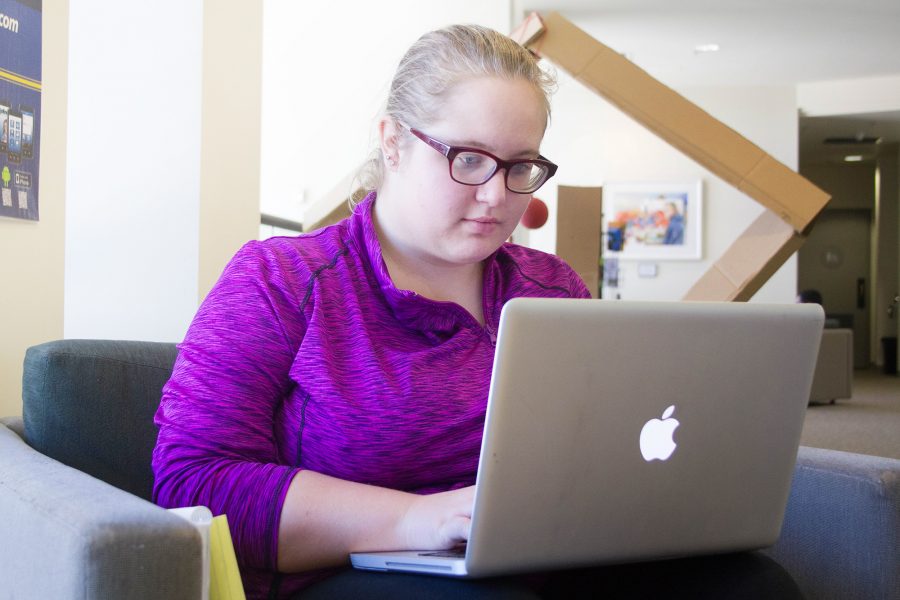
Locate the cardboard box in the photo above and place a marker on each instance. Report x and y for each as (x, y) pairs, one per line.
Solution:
(578, 223)
(748, 263)
(788, 196)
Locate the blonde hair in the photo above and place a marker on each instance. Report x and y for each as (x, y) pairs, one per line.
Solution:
(434, 64)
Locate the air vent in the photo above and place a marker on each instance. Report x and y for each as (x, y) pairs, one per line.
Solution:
(855, 141)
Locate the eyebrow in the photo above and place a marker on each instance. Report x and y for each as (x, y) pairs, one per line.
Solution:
(524, 154)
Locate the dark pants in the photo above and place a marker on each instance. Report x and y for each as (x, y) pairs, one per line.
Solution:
(749, 575)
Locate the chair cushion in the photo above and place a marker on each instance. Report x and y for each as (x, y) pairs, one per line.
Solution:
(90, 404)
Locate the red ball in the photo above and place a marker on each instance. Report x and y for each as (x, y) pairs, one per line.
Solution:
(535, 215)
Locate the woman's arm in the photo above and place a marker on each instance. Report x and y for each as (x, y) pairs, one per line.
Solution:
(215, 445)
(323, 519)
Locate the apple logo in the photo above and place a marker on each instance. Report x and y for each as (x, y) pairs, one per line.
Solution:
(656, 436)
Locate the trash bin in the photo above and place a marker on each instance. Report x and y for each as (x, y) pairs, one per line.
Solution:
(889, 349)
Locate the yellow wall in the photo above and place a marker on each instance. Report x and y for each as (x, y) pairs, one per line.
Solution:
(229, 172)
(32, 255)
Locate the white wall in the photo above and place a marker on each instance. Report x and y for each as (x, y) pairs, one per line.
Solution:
(850, 96)
(133, 172)
(326, 72)
(596, 143)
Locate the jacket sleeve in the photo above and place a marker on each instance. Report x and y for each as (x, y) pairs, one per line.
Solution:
(216, 445)
(578, 287)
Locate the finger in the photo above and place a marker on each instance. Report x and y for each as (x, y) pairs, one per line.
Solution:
(458, 528)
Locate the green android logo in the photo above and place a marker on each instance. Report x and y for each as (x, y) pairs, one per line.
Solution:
(6, 176)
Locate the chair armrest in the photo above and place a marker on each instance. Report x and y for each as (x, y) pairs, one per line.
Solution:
(14, 423)
(68, 535)
(841, 531)
(90, 404)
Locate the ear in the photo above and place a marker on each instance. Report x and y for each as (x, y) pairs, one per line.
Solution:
(389, 137)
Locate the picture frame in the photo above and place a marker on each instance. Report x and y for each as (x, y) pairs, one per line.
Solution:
(653, 221)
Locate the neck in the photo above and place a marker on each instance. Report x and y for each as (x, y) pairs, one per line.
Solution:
(427, 276)
(453, 283)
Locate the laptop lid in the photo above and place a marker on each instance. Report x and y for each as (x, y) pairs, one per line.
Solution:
(624, 431)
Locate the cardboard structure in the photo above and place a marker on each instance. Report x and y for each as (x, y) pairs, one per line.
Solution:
(792, 201)
(578, 223)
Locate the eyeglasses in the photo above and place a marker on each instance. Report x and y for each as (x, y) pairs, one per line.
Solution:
(472, 166)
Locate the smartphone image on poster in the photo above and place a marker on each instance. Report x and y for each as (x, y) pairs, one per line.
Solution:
(14, 145)
(27, 130)
(4, 123)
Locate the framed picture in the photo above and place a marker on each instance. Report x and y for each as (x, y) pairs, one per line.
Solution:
(656, 221)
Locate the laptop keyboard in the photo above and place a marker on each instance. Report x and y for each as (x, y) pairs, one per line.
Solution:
(454, 553)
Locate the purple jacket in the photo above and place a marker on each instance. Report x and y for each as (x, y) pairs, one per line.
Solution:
(305, 356)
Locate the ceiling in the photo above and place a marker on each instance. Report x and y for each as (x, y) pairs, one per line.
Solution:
(761, 42)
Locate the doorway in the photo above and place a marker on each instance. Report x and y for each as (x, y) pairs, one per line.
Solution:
(836, 261)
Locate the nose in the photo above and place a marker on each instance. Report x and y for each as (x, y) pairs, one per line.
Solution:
(493, 191)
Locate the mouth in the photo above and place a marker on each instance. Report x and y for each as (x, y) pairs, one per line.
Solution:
(485, 220)
(483, 225)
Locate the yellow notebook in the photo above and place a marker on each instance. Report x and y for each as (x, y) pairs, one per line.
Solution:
(224, 577)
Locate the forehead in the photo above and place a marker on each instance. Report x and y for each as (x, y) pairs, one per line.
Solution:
(502, 115)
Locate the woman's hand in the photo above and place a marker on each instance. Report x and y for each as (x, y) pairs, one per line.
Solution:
(437, 521)
(324, 519)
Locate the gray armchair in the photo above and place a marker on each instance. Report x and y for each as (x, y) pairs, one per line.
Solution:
(75, 484)
(75, 480)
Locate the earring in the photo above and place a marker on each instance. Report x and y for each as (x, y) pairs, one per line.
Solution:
(392, 161)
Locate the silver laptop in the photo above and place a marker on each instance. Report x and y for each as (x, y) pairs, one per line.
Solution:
(627, 431)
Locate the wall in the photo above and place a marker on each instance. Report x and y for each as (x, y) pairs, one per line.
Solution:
(596, 143)
(230, 137)
(851, 185)
(163, 174)
(31, 302)
(323, 90)
(855, 97)
(133, 171)
(125, 248)
(888, 248)
(844, 231)
(850, 96)
(857, 188)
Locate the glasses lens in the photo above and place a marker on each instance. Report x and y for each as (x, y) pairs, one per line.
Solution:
(526, 177)
(472, 168)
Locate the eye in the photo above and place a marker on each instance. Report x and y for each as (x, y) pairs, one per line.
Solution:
(470, 160)
(522, 169)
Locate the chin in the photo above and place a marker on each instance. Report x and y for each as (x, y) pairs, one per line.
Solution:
(475, 253)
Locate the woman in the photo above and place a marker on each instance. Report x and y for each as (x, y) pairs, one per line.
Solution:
(330, 394)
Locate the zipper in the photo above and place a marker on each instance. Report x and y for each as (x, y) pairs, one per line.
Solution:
(492, 335)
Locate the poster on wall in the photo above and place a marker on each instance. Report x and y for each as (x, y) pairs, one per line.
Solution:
(20, 107)
(653, 221)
